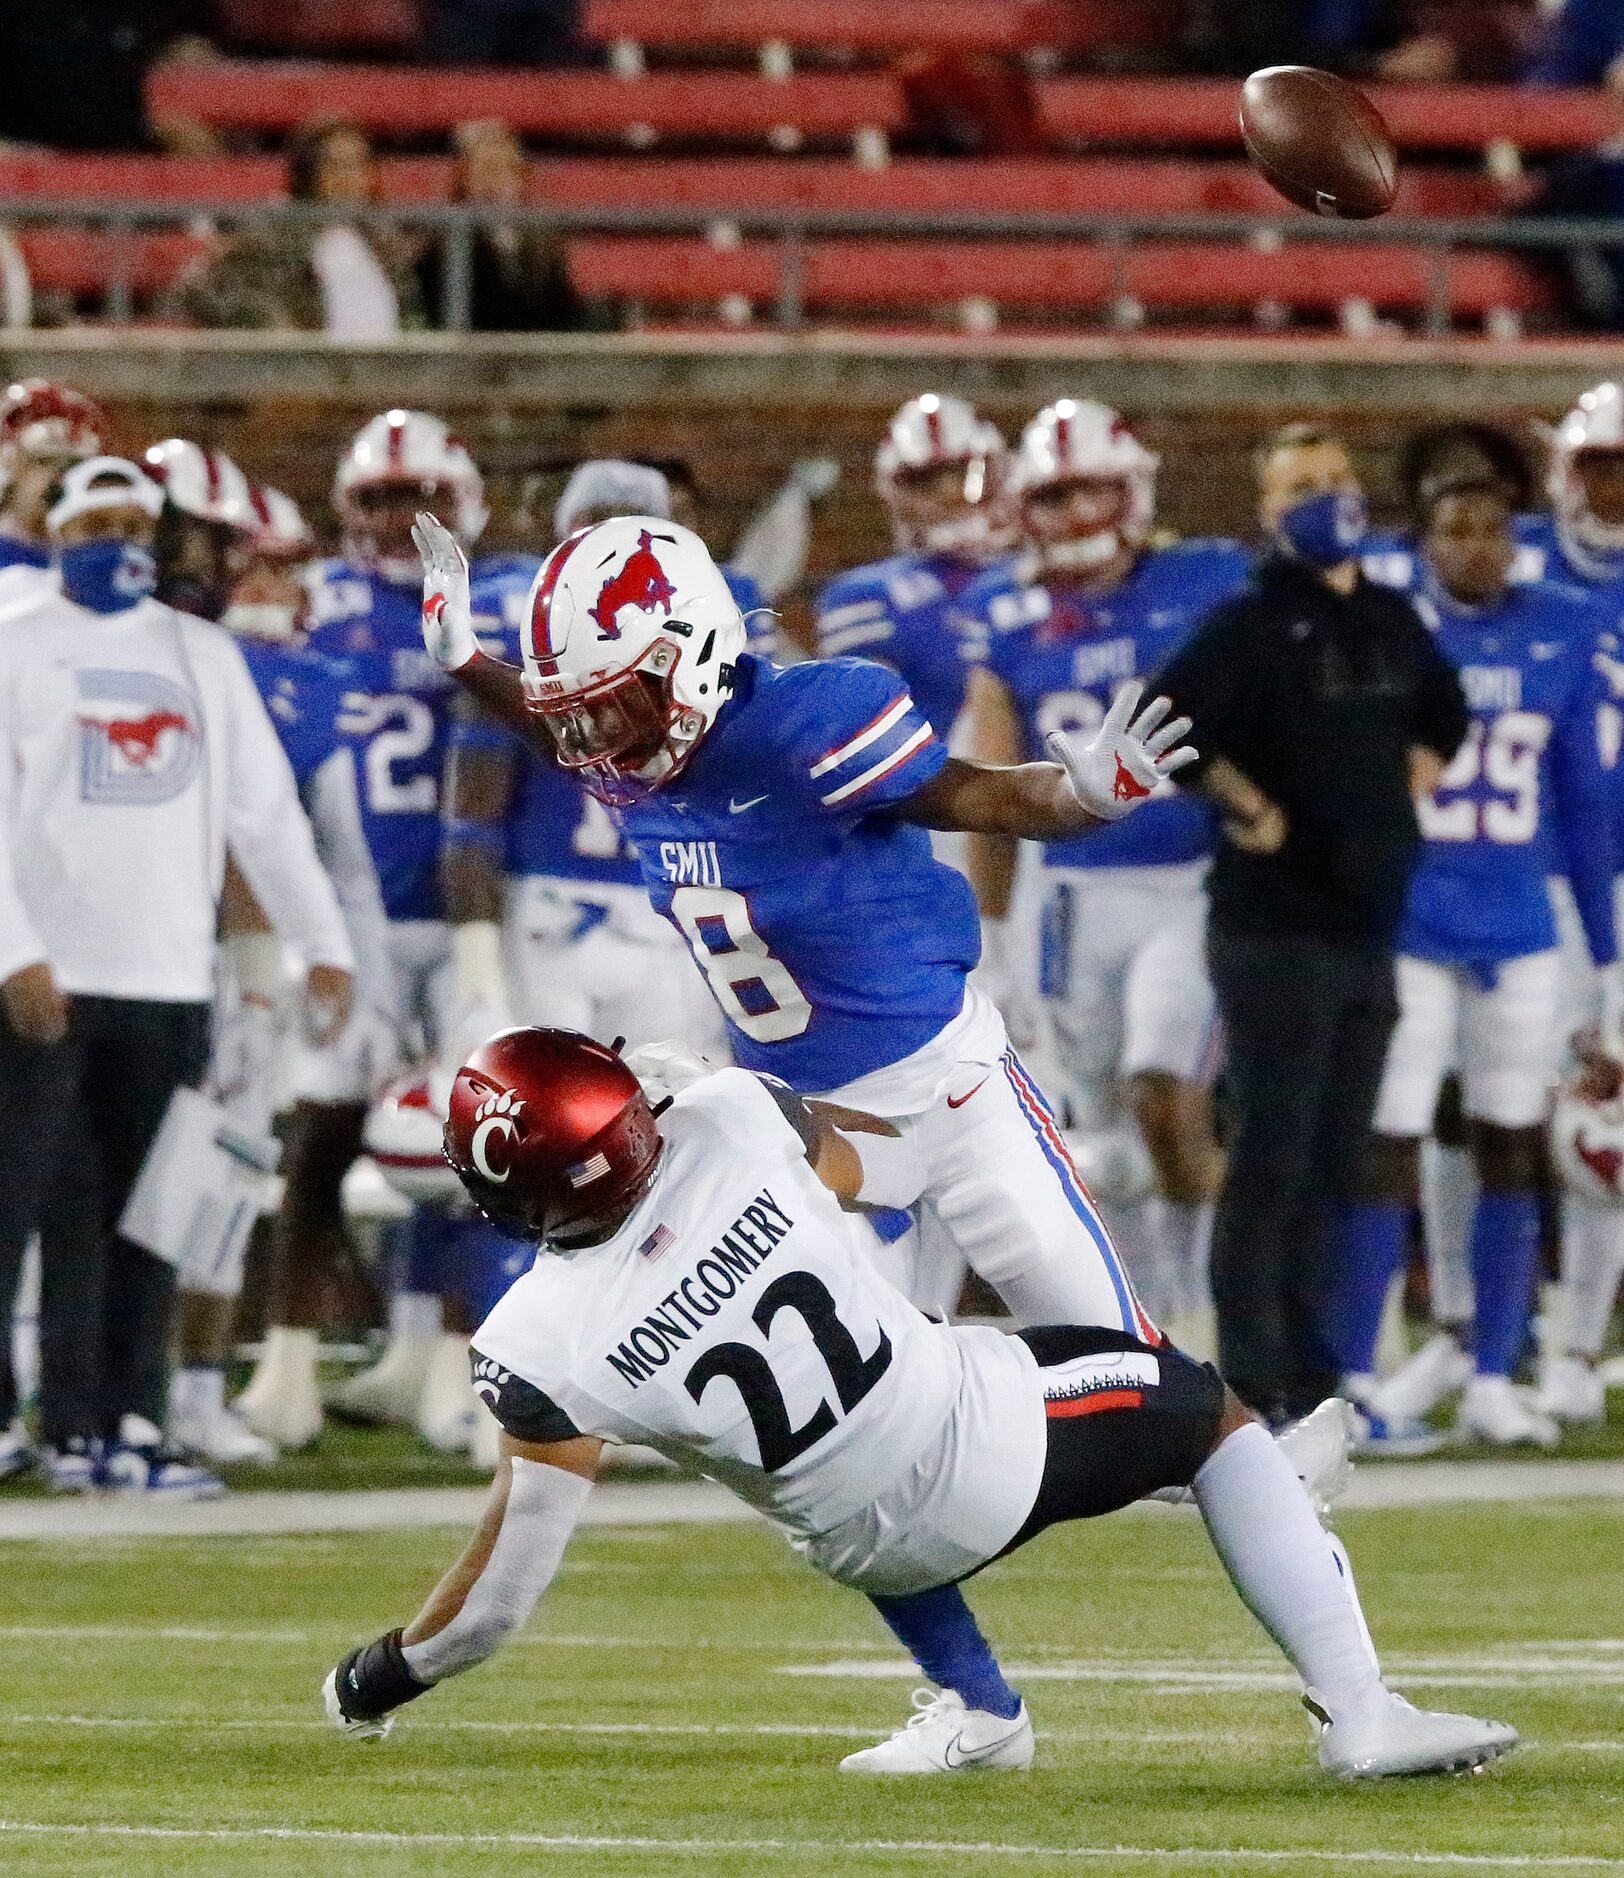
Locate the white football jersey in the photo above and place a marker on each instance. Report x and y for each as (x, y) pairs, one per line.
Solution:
(733, 1324)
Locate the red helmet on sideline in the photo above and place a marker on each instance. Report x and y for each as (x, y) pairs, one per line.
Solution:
(551, 1135)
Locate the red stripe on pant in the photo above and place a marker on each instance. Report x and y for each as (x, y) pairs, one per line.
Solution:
(1093, 1404)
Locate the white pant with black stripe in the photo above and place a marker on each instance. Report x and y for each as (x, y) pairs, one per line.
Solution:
(1003, 1196)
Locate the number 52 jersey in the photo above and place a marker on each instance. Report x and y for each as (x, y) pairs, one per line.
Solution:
(733, 1324)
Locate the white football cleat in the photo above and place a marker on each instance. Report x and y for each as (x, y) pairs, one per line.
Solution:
(283, 1401)
(1571, 1390)
(1318, 1448)
(942, 1736)
(1439, 1369)
(392, 1390)
(223, 1438)
(1492, 1409)
(1390, 1737)
(17, 1454)
(448, 1411)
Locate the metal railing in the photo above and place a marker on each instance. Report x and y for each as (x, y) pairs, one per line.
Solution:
(456, 225)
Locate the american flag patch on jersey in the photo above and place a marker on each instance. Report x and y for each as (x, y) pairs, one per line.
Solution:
(658, 1243)
(592, 1169)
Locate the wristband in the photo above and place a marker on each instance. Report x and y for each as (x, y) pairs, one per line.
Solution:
(466, 831)
(374, 1680)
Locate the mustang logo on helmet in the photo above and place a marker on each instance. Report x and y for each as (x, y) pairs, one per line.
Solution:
(642, 583)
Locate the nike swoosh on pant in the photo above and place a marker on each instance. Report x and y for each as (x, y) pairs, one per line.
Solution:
(958, 1102)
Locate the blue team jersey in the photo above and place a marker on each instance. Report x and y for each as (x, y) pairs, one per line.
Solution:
(18, 553)
(1062, 653)
(1526, 795)
(901, 612)
(395, 716)
(834, 941)
(553, 826)
(304, 698)
(1391, 558)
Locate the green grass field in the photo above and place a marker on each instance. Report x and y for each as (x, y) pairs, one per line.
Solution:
(646, 1724)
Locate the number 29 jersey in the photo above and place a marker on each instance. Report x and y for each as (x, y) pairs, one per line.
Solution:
(733, 1325)
(833, 940)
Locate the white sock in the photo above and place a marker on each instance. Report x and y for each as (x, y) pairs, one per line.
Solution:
(1184, 1235)
(1592, 1264)
(1448, 1201)
(414, 1316)
(1286, 1569)
(197, 1394)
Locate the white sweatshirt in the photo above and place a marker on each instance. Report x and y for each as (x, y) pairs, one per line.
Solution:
(133, 749)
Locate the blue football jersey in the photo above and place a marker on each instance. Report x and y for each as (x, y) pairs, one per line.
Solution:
(553, 826)
(304, 698)
(901, 611)
(834, 941)
(1391, 558)
(1526, 795)
(1063, 652)
(395, 716)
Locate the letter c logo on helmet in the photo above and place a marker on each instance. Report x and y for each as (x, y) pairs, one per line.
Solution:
(496, 1120)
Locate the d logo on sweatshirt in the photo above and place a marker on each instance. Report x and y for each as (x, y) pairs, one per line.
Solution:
(140, 738)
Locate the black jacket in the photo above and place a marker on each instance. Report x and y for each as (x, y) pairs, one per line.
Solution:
(1318, 697)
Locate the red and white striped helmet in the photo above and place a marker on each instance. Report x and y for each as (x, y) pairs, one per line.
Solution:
(1594, 427)
(405, 1135)
(280, 531)
(201, 482)
(932, 433)
(629, 645)
(39, 418)
(415, 448)
(1080, 441)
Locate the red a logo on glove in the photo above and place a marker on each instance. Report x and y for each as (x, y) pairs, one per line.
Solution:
(1128, 787)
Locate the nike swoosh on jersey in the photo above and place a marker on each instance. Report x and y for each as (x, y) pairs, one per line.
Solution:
(738, 808)
(958, 1102)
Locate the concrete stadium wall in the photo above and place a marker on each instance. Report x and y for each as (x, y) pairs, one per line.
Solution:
(742, 408)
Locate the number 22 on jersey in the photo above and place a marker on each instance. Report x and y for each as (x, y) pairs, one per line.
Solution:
(394, 731)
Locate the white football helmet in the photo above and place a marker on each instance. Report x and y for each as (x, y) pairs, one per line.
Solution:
(405, 1135)
(417, 451)
(280, 531)
(1594, 425)
(49, 422)
(929, 434)
(1587, 1144)
(629, 647)
(201, 482)
(1079, 441)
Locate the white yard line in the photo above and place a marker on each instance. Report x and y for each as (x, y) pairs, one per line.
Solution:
(802, 1848)
(1170, 1678)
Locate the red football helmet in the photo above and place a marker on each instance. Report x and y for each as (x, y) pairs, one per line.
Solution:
(551, 1135)
(39, 418)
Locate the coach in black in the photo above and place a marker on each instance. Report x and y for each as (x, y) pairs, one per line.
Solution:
(1321, 707)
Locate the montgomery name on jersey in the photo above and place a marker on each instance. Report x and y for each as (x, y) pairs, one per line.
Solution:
(729, 1322)
(1063, 653)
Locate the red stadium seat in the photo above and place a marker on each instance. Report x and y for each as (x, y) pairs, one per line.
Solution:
(135, 179)
(84, 262)
(1010, 186)
(901, 26)
(417, 101)
(1184, 277)
(1120, 112)
(319, 25)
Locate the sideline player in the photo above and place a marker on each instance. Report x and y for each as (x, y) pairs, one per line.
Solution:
(43, 428)
(365, 608)
(1089, 606)
(708, 1302)
(1524, 799)
(939, 474)
(779, 817)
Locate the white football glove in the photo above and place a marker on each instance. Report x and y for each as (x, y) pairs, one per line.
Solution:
(1129, 759)
(665, 1069)
(355, 1730)
(448, 617)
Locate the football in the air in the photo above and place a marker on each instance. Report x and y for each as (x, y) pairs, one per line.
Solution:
(1319, 141)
